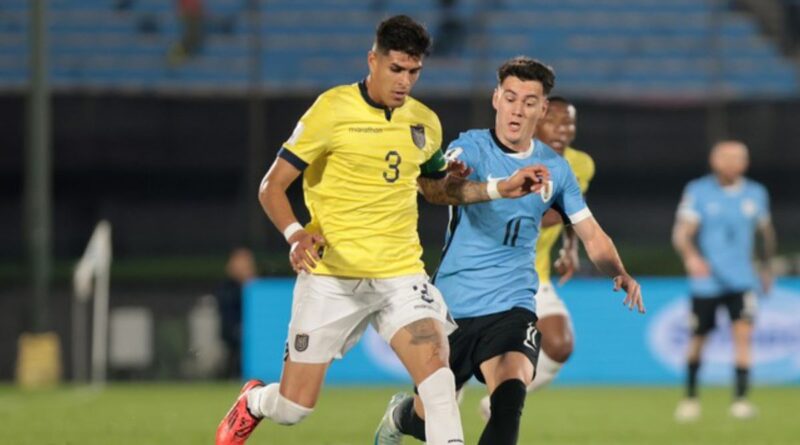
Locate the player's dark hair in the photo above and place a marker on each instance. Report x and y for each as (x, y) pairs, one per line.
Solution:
(526, 68)
(402, 33)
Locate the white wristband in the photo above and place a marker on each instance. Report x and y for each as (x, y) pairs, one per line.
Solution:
(291, 229)
(491, 189)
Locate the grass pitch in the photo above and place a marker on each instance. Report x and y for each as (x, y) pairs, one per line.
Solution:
(182, 413)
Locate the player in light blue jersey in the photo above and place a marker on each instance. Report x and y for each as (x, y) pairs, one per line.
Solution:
(723, 211)
(487, 273)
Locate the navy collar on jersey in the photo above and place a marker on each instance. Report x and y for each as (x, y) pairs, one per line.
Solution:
(506, 149)
(362, 87)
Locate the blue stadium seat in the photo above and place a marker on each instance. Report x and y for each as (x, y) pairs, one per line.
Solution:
(599, 47)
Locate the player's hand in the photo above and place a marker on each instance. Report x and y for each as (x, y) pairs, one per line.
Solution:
(458, 168)
(634, 292)
(567, 264)
(696, 266)
(524, 181)
(305, 251)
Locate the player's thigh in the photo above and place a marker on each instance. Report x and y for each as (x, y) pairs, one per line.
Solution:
(463, 342)
(507, 366)
(703, 315)
(415, 322)
(302, 382)
(508, 348)
(328, 318)
(422, 347)
(554, 322)
(557, 339)
(741, 306)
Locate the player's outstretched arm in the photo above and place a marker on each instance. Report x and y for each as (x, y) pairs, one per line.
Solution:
(683, 234)
(604, 255)
(272, 196)
(767, 250)
(455, 189)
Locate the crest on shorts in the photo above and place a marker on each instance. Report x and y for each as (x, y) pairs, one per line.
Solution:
(532, 337)
(418, 135)
(301, 342)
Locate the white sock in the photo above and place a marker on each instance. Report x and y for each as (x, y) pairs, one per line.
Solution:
(546, 371)
(442, 419)
(267, 402)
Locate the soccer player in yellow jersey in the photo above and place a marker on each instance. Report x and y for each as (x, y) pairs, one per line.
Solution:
(364, 150)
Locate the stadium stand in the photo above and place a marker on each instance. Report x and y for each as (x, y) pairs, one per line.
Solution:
(684, 49)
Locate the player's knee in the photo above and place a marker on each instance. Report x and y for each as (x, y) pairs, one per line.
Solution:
(438, 389)
(559, 349)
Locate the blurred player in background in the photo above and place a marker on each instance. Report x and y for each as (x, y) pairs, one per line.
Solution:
(557, 130)
(364, 150)
(487, 271)
(240, 269)
(723, 210)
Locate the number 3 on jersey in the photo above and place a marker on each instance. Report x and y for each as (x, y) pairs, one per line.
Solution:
(394, 160)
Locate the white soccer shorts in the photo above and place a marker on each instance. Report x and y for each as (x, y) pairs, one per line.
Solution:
(548, 302)
(330, 314)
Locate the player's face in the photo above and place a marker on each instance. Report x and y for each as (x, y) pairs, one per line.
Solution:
(557, 128)
(729, 160)
(392, 76)
(519, 105)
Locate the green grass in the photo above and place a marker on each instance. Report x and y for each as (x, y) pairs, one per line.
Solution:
(184, 413)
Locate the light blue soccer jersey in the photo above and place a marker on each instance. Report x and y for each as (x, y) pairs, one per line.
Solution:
(487, 264)
(728, 218)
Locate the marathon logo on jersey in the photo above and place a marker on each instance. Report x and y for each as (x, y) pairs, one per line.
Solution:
(301, 342)
(418, 135)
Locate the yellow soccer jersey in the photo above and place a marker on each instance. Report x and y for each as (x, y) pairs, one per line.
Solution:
(360, 166)
(583, 167)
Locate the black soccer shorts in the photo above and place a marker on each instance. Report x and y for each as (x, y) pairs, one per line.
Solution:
(478, 339)
(740, 306)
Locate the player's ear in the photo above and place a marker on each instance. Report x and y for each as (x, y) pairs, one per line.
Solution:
(496, 97)
(545, 106)
(372, 60)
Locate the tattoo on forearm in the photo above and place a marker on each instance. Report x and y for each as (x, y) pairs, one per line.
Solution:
(466, 192)
(435, 192)
(453, 190)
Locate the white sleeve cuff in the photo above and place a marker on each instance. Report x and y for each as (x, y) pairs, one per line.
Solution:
(580, 215)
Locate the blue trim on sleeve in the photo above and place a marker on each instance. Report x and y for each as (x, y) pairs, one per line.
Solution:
(292, 158)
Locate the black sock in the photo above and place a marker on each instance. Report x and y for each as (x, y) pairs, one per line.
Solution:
(742, 382)
(407, 420)
(508, 399)
(691, 379)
